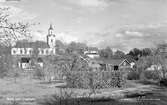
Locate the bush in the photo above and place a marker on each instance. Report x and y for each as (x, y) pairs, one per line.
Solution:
(153, 75)
(133, 75)
(39, 74)
(76, 80)
(163, 82)
(94, 80)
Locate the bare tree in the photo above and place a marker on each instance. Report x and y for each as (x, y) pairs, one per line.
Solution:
(10, 32)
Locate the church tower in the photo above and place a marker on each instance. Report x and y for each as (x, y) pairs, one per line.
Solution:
(51, 38)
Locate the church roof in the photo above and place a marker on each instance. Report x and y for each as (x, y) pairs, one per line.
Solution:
(27, 44)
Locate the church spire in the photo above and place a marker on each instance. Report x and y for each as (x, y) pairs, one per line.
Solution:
(51, 27)
(51, 38)
(50, 30)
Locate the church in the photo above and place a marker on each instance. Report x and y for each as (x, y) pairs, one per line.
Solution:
(23, 54)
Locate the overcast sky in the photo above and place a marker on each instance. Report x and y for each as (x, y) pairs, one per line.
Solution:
(120, 24)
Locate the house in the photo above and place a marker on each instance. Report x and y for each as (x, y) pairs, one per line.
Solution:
(92, 53)
(113, 64)
(108, 64)
(162, 48)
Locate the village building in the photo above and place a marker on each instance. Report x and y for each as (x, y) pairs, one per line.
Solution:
(162, 48)
(92, 53)
(114, 64)
(24, 52)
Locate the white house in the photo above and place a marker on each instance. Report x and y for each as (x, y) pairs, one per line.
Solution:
(92, 54)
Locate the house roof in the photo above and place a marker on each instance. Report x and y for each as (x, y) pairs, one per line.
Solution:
(110, 61)
(129, 58)
(113, 61)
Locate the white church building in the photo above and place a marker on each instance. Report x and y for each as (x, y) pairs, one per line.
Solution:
(23, 55)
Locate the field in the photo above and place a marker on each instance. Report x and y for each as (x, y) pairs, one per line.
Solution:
(24, 89)
(29, 91)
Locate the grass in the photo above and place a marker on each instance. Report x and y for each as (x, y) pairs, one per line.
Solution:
(39, 90)
(158, 97)
(23, 88)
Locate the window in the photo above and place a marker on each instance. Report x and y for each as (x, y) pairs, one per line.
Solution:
(47, 51)
(30, 51)
(25, 60)
(42, 52)
(21, 52)
(51, 40)
(25, 51)
(14, 51)
(116, 67)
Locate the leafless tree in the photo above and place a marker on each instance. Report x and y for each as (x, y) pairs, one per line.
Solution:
(10, 31)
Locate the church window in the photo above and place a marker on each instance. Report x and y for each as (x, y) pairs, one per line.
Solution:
(42, 52)
(51, 40)
(47, 51)
(21, 52)
(14, 52)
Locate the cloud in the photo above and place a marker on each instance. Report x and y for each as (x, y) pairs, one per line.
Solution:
(126, 38)
(92, 3)
(133, 33)
(38, 35)
(66, 37)
(18, 14)
(2, 1)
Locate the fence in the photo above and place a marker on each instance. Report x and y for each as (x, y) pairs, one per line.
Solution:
(95, 80)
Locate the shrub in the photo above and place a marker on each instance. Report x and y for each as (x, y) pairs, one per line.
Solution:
(39, 74)
(65, 98)
(94, 80)
(163, 82)
(154, 75)
(76, 80)
(133, 75)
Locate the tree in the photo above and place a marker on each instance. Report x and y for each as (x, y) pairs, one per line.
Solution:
(11, 31)
(159, 60)
(135, 53)
(60, 44)
(74, 47)
(146, 52)
(106, 53)
(119, 53)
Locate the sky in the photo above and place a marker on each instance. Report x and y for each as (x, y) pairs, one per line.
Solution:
(119, 24)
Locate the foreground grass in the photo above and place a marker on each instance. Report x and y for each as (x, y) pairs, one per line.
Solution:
(39, 90)
(24, 88)
(133, 95)
(157, 97)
